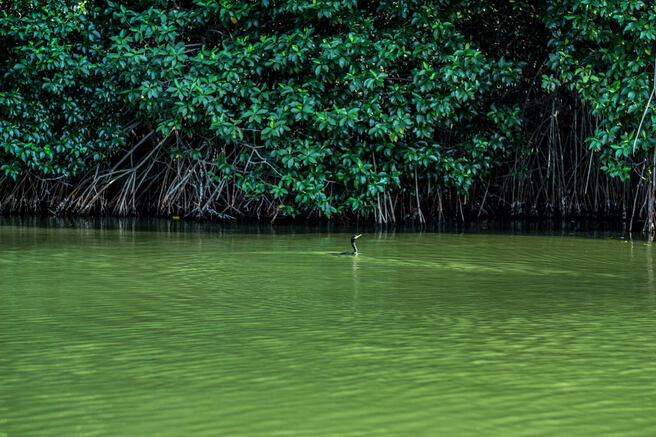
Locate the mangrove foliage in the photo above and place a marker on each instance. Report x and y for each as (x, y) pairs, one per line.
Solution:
(386, 110)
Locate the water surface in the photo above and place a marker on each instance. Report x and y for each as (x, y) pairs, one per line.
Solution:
(134, 332)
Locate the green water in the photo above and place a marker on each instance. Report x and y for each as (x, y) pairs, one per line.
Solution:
(138, 333)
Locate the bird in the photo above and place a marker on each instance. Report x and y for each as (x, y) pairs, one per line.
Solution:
(355, 248)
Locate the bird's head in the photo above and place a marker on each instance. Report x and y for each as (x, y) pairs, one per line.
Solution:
(355, 237)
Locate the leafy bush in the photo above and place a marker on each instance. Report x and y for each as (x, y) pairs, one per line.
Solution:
(323, 105)
(604, 50)
(320, 107)
(58, 106)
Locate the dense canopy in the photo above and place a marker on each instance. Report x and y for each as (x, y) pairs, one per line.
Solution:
(344, 107)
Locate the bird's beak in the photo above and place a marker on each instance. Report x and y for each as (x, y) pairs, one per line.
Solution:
(357, 236)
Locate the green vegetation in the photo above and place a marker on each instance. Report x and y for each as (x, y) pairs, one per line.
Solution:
(58, 106)
(603, 51)
(374, 108)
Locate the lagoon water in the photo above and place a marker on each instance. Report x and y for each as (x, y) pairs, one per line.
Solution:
(124, 332)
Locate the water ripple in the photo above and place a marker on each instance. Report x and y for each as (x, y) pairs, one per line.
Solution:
(139, 334)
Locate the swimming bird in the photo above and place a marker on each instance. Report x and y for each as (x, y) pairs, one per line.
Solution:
(355, 248)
